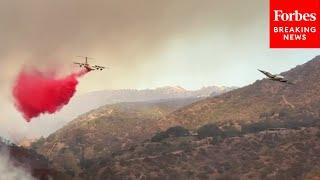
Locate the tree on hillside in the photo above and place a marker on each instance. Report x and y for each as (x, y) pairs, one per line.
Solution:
(209, 130)
(176, 131)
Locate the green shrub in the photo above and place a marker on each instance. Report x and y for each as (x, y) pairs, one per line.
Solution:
(231, 132)
(159, 137)
(209, 130)
(177, 131)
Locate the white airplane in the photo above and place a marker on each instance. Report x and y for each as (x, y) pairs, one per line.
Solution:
(275, 77)
(88, 66)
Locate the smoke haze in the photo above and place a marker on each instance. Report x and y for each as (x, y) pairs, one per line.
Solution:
(9, 171)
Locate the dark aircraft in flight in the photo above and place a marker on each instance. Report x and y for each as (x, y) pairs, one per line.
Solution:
(275, 77)
(88, 66)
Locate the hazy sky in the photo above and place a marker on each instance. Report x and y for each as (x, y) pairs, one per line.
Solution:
(147, 43)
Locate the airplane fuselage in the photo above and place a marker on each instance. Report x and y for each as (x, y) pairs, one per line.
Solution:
(278, 77)
(275, 77)
(88, 66)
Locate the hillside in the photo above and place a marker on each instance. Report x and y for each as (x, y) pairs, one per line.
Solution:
(102, 131)
(252, 103)
(285, 154)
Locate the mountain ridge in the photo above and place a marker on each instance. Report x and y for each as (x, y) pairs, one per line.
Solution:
(90, 101)
(247, 104)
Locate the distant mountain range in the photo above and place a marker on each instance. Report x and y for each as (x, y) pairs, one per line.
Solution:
(92, 100)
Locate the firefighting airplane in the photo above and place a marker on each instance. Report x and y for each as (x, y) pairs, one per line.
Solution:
(88, 66)
(275, 77)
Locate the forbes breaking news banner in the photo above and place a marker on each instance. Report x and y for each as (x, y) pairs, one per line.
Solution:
(294, 23)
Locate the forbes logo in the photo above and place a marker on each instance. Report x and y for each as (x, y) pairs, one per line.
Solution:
(279, 15)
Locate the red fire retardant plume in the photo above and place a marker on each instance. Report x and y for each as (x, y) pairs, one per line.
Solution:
(37, 92)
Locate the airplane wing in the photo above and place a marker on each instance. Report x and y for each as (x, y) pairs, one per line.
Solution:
(267, 73)
(78, 63)
(99, 67)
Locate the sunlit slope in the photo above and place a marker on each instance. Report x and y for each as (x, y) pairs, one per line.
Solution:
(100, 132)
